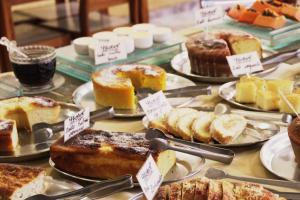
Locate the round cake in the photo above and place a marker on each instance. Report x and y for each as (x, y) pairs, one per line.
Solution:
(114, 86)
(294, 135)
(207, 54)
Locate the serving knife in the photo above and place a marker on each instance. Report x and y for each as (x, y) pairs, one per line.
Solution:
(44, 131)
(100, 190)
(188, 91)
(159, 141)
(281, 57)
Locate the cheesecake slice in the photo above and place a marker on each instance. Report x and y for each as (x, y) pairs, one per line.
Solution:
(18, 182)
(105, 155)
(8, 135)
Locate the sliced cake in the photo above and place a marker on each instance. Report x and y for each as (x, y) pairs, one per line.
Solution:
(201, 127)
(235, 11)
(227, 127)
(294, 100)
(8, 135)
(104, 155)
(248, 15)
(19, 182)
(267, 100)
(115, 86)
(184, 123)
(271, 19)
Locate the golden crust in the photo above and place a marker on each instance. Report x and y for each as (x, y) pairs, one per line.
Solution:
(13, 177)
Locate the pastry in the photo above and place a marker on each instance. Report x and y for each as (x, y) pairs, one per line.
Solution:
(27, 111)
(275, 5)
(269, 18)
(227, 127)
(114, 86)
(290, 11)
(19, 182)
(207, 55)
(105, 155)
(248, 15)
(8, 135)
(201, 127)
(236, 11)
(260, 6)
(208, 189)
(294, 135)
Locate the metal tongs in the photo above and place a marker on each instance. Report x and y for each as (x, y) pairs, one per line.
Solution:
(44, 131)
(281, 57)
(159, 141)
(189, 91)
(219, 174)
(99, 190)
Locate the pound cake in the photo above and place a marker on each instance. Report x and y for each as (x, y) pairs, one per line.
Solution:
(105, 155)
(19, 182)
(115, 86)
(208, 54)
(23, 112)
(208, 189)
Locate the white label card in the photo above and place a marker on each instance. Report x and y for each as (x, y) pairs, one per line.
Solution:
(149, 178)
(76, 123)
(109, 50)
(246, 63)
(205, 16)
(155, 106)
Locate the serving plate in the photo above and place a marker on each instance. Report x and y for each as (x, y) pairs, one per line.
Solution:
(28, 149)
(227, 92)
(278, 157)
(181, 64)
(186, 166)
(83, 96)
(249, 137)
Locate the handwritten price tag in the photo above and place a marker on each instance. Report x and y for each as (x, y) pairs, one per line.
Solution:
(76, 123)
(109, 50)
(155, 106)
(205, 16)
(149, 178)
(244, 63)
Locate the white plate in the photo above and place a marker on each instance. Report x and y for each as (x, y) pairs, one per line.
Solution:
(186, 166)
(278, 157)
(83, 96)
(247, 138)
(181, 64)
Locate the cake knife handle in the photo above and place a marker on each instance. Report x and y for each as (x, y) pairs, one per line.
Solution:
(101, 189)
(280, 183)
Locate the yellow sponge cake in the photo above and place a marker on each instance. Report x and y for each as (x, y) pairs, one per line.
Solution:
(115, 86)
(285, 86)
(294, 100)
(267, 100)
(246, 92)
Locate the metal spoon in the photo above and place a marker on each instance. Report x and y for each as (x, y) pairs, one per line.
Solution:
(223, 109)
(43, 131)
(100, 189)
(159, 141)
(219, 174)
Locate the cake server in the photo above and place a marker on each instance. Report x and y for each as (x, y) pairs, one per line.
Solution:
(219, 174)
(43, 131)
(281, 57)
(101, 189)
(180, 92)
(159, 141)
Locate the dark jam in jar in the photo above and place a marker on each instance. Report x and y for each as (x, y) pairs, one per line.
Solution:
(36, 70)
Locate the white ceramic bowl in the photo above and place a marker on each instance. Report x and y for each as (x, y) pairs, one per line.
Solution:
(162, 34)
(104, 35)
(142, 40)
(123, 31)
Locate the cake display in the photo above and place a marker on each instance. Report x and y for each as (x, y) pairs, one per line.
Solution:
(208, 54)
(19, 182)
(203, 189)
(115, 86)
(294, 135)
(104, 155)
(23, 112)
